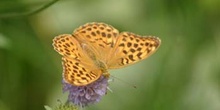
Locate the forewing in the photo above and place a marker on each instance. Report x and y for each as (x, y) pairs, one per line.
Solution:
(99, 37)
(78, 68)
(67, 45)
(131, 48)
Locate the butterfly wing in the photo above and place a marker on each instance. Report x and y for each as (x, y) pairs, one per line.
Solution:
(66, 45)
(78, 68)
(131, 48)
(77, 73)
(99, 37)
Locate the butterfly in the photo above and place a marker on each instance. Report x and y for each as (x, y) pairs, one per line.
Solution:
(94, 48)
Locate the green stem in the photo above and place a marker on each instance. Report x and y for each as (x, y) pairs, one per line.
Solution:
(28, 13)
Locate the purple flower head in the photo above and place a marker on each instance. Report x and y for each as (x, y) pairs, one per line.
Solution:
(89, 94)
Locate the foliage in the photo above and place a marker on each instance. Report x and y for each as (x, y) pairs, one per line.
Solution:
(182, 75)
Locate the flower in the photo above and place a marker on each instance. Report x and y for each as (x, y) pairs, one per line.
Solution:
(85, 95)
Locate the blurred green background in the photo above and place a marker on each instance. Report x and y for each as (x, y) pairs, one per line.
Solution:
(183, 74)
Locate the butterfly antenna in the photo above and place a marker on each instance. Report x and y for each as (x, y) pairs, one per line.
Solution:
(129, 84)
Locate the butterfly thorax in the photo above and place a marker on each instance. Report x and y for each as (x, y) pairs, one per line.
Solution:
(103, 68)
(98, 62)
